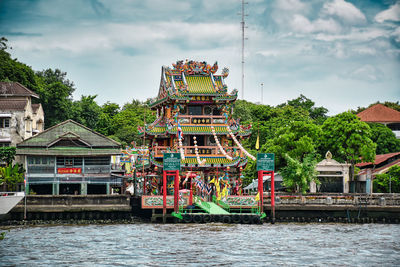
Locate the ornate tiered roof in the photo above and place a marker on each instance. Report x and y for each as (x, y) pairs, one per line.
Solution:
(188, 85)
(193, 81)
(194, 129)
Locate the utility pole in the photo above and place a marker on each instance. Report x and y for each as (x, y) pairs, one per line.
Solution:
(243, 27)
(262, 93)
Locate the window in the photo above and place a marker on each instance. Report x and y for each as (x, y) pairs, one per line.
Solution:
(4, 122)
(69, 162)
(5, 144)
(195, 110)
(98, 161)
(37, 164)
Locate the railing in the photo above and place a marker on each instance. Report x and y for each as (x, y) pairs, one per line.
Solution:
(203, 150)
(201, 119)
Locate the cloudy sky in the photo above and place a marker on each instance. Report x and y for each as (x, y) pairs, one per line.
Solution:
(341, 54)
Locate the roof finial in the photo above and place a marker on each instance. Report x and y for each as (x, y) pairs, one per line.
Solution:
(328, 155)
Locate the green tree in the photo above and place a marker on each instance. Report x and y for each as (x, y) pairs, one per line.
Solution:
(11, 176)
(55, 93)
(348, 139)
(7, 154)
(384, 138)
(388, 182)
(297, 140)
(298, 175)
(105, 122)
(131, 116)
(86, 111)
(318, 114)
(11, 70)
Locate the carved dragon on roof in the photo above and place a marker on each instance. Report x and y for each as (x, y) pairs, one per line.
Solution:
(191, 67)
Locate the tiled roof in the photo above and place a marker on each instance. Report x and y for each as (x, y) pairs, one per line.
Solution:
(379, 113)
(12, 104)
(53, 134)
(200, 85)
(194, 129)
(378, 159)
(15, 89)
(216, 161)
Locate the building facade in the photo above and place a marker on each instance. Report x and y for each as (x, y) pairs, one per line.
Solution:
(19, 118)
(69, 158)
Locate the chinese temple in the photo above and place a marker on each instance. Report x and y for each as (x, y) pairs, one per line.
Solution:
(194, 119)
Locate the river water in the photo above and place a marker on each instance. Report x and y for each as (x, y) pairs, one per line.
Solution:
(144, 244)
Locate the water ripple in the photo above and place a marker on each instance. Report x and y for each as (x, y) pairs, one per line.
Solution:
(203, 244)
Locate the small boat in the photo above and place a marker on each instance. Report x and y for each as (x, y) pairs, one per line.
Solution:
(9, 200)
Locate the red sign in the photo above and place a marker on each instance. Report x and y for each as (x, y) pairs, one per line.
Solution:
(69, 170)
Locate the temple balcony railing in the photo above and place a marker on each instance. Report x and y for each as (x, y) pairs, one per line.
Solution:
(204, 151)
(201, 119)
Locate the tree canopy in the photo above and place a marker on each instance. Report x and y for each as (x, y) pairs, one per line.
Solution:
(348, 139)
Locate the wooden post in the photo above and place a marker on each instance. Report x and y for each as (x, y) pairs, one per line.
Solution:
(164, 195)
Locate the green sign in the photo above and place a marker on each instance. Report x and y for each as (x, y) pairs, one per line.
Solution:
(172, 161)
(265, 162)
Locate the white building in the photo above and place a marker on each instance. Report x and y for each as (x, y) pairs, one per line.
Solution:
(19, 118)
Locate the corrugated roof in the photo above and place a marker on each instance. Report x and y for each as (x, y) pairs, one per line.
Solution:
(51, 135)
(15, 89)
(6, 104)
(378, 159)
(379, 113)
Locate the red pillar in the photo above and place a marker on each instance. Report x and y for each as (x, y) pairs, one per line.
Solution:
(260, 189)
(273, 196)
(164, 193)
(191, 192)
(176, 191)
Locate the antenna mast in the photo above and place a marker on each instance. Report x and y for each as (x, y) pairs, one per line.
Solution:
(243, 26)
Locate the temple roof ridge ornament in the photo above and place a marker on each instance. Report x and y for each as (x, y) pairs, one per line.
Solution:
(191, 67)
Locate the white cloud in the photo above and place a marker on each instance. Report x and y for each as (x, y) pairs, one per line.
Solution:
(366, 73)
(303, 25)
(396, 34)
(136, 36)
(291, 5)
(393, 14)
(356, 34)
(345, 11)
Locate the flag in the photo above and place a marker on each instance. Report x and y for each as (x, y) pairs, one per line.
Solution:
(179, 131)
(258, 141)
(257, 197)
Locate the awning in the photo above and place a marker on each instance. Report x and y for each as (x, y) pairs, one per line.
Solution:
(5, 115)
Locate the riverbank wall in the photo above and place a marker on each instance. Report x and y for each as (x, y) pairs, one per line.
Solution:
(344, 208)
